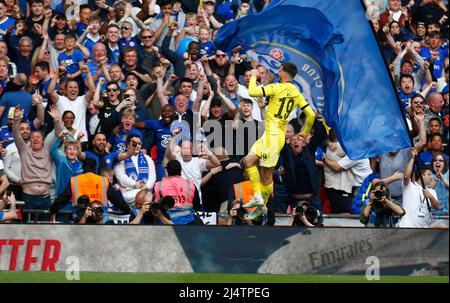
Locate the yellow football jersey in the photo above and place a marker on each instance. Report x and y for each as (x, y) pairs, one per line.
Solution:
(284, 98)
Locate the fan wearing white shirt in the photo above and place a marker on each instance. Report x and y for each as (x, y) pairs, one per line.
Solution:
(136, 173)
(258, 112)
(418, 197)
(192, 167)
(360, 169)
(72, 101)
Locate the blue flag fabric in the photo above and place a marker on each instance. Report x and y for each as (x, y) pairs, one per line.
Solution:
(341, 70)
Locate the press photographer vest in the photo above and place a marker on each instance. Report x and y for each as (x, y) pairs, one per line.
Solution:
(244, 191)
(91, 185)
(181, 190)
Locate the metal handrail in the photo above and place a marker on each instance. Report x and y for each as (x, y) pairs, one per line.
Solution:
(30, 212)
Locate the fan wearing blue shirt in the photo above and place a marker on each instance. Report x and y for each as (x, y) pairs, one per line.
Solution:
(101, 156)
(127, 39)
(5, 21)
(85, 16)
(440, 52)
(71, 58)
(207, 47)
(16, 96)
(161, 129)
(91, 35)
(118, 141)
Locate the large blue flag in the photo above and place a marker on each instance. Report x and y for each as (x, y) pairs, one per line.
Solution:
(341, 70)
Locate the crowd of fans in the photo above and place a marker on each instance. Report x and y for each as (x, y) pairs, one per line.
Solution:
(126, 112)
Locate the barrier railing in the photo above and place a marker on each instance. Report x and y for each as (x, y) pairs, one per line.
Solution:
(34, 215)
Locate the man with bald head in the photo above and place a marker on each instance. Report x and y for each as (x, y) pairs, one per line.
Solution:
(183, 111)
(192, 167)
(15, 95)
(435, 107)
(99, 65)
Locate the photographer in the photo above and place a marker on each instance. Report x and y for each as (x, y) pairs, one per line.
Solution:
(92, 185)
(237, 215)
(183, 192)
(150, 212)
(305, 215)
(381, 211)
(94, 214)
(80, 208)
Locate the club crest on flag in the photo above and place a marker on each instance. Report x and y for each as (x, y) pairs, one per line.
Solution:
(308, 79)
(277, 54)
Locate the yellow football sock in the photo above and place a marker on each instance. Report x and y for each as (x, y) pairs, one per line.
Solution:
(266, 191)
(253, 174)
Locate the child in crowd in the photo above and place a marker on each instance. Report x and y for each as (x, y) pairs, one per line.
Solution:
(118, 142)
(85, 13)
(207, 47)
(191, 20)
(91, 35)
(71, 59)
(406, 91)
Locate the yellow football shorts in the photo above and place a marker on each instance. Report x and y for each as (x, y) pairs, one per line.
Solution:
(268, 148)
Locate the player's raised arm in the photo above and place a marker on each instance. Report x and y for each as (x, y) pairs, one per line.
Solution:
(310, 115)
(255, 91)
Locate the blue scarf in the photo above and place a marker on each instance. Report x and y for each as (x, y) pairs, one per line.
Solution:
(131, 172)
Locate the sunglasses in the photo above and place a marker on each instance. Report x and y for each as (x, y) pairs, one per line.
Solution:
(147, 37)
(418, 102)
(124, 27)
(111, 90)
(221, 56)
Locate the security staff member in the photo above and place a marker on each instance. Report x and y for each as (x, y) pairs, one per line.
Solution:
(92, 185)
(184, 192)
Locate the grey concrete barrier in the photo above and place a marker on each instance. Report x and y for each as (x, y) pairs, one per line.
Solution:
(220, 249)
(49, 247)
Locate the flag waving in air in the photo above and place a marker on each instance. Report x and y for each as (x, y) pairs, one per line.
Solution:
(340, 69)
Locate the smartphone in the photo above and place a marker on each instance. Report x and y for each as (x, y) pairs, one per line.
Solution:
(126, 96)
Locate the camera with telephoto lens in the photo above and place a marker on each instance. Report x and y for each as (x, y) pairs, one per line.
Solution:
(310, 213)
(379, 194)
(98, 211)
(299, 210)
(82, 203)
(165, 203)
(241, 212)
